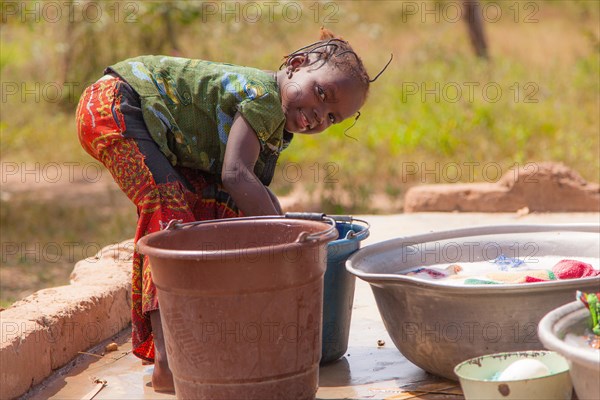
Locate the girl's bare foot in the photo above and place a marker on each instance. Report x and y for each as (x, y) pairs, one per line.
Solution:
(162, 378)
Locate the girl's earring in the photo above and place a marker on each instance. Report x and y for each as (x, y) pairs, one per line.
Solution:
(289, 73)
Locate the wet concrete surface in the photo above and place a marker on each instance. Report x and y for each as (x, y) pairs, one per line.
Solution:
(372, 367)
(367, 370)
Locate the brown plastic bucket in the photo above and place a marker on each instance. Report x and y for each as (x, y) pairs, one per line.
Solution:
(241, 305)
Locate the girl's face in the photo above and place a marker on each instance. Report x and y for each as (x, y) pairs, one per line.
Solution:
(314, 99)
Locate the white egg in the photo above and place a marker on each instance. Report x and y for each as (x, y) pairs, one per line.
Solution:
(524, 369)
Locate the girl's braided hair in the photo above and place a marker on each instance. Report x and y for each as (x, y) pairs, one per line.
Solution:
(336, 51)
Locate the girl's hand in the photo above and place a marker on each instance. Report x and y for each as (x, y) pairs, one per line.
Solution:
(238, 177)
(275, 201)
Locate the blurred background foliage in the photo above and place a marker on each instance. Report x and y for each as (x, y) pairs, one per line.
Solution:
(429, 109)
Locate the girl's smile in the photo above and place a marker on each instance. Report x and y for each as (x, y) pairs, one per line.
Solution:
(303, 121)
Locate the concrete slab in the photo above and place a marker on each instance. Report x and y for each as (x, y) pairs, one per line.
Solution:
(367, 371)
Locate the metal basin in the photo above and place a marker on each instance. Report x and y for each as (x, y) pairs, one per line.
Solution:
(584, 362)
(435, 325)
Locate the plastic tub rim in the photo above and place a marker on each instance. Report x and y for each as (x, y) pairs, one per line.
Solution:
(551, 341)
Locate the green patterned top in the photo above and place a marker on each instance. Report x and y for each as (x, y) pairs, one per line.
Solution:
(189, 105)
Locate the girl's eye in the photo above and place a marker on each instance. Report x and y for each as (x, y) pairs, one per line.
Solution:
(331, 118)
(321, 93)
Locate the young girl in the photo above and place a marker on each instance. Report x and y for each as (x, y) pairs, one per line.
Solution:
(196, 140)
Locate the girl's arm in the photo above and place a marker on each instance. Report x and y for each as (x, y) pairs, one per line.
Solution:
(238, 177)
(275, 200)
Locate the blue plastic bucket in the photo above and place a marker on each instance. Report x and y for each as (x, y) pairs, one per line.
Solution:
(338, 294)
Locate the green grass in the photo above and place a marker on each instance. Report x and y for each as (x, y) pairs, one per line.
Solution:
(398, 140)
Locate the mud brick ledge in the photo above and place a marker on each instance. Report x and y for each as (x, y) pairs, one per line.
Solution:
(46, 330)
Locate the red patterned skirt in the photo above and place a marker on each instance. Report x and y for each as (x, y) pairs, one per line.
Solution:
(102, 131)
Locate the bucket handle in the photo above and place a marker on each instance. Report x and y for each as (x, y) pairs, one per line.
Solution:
(303, 237)
(349, 219)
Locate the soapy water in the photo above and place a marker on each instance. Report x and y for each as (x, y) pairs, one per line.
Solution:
(500, 270)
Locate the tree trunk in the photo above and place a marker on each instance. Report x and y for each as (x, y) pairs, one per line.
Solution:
(474, 22)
